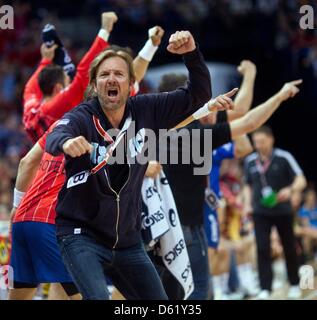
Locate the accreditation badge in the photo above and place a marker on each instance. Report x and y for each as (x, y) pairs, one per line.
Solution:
(269, 197)
(211, 199)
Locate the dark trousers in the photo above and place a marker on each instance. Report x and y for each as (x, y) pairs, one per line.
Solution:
(284, 225)
(130, 269)
(197, 247)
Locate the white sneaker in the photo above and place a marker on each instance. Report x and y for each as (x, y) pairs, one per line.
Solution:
(294, 292)
(236, 295)
(219, 295)
(252, 291)
(263, 295)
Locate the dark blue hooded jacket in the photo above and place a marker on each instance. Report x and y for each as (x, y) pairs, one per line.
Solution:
(107, 206)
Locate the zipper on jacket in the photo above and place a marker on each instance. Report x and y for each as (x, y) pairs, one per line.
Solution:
(118, 204)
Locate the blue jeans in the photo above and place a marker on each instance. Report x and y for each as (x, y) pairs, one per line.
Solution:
(130, 269)
(196, 243)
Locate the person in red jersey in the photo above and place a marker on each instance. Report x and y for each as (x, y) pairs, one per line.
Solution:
(36, 257)
(49, 94)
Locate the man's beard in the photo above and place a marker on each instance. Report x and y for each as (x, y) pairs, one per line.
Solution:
(108, 105)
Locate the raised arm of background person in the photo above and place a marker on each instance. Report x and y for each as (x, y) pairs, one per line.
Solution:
(259, 115)
(143, 59)
(243, 102)
(28, 167)
(32, 93)
(244, 98)
(242, 146)
(73, 95)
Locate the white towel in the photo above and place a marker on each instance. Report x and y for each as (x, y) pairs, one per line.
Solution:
(160, 221)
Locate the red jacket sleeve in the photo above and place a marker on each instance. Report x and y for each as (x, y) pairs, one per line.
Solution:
(73, 94)
(32, 94)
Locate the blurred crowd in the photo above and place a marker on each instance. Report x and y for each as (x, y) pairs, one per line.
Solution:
(225, 29)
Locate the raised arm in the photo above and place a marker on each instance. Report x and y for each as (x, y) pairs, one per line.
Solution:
(170, 108)
(242, 104)
(242, 146)
(32, 93)
(74, 94)
(244, 97)
(145, 56)
(259, 115)
(199, 86)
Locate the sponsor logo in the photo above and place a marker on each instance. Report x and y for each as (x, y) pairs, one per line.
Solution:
(173, 254)
(186, 272)
(172, 217)
(150, 220)
(77, 179)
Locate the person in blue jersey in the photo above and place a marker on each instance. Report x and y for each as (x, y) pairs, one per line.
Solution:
(213, 193)
(307, 214)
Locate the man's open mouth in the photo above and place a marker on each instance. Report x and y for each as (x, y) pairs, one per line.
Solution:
(112, 93)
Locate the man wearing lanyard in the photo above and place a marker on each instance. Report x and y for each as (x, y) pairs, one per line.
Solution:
(98, 211)
(273, 174)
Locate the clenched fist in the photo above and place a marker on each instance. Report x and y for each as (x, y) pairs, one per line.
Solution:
(181, 42)
(153, 169)
(48, 52)
(247, 67)
(155, 34)
(77, 147)
(108, 19)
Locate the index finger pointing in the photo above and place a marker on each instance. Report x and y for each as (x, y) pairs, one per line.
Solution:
(231, 93)
(296, 82)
